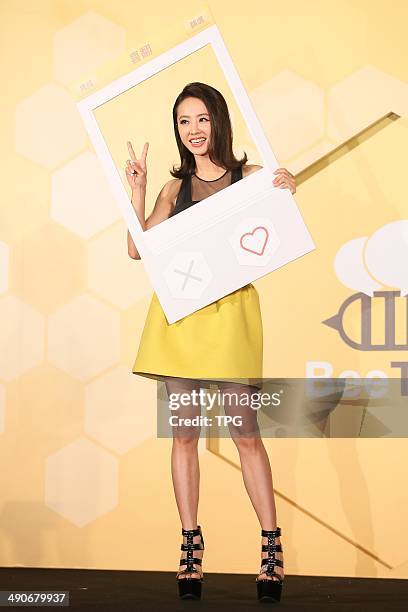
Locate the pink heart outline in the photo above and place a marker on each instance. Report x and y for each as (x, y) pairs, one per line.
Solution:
(259, 227)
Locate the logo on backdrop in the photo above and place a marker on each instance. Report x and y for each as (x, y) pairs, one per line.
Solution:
(369, 264)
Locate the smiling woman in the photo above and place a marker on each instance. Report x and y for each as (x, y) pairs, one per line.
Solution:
(227, 332)
(200, 133)
(202, 127)
(222, 342)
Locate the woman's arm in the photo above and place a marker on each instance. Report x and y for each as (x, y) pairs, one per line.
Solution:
(138, 202)
(161, 211)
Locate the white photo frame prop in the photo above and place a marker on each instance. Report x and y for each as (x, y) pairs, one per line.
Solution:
(230, 238)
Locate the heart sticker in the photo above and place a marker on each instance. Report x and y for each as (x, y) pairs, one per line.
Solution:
(255, 241)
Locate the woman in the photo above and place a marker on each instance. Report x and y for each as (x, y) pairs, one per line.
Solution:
(221, 342)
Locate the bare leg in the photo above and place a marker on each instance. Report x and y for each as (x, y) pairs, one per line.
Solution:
(256, 469)
(185, 467)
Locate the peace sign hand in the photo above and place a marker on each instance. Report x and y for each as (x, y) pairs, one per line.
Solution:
(136, 169)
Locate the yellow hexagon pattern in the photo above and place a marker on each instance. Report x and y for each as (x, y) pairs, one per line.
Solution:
(80, 456)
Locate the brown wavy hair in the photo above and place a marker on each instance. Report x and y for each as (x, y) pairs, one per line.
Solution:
(220, 145)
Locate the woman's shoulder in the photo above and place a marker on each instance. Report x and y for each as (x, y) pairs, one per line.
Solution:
(171, 189)
(249, 168)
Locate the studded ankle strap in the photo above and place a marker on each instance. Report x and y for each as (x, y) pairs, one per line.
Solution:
(190, 547)
(194, 532)
(271, 548)
(272, 534)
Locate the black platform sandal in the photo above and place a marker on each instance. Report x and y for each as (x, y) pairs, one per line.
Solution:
(190, 588)
(269, 589)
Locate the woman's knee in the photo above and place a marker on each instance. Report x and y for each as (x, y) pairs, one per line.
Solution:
(247, 444)
(187, 442)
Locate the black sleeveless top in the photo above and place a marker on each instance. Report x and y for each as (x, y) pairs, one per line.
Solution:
(192, 185)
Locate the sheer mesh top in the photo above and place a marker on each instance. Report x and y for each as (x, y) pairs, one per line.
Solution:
(194, 189)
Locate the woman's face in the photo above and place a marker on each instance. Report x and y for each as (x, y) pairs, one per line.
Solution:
(194, 125)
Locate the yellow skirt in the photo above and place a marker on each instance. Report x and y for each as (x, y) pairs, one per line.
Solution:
(221, 342)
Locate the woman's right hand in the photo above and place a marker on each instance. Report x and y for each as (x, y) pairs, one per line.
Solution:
(136, 169)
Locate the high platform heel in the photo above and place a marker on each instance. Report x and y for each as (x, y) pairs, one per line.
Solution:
(190, 588)
(269, 589)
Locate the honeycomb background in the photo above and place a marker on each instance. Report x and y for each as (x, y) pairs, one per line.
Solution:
(85, 481)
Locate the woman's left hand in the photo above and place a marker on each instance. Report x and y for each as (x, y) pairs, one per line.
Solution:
(284, 180)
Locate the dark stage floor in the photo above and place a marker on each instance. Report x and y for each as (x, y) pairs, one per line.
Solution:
(124, 591)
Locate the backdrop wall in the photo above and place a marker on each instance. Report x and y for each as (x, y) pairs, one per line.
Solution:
(84, 479)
